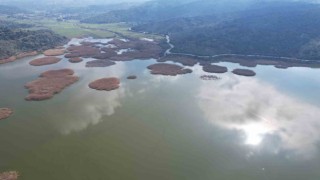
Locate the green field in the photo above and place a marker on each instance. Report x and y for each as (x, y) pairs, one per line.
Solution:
(73, 28)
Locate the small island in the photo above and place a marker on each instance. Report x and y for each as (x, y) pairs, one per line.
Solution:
(210, 77)
(4, 114)
(132, 77)
(214, 68)
(244, 72)
(105, 84)
(54, 52)
(75, 60)
(100, 63)
(45, 61)
(50, 83)
(168, 69)
(11, 175)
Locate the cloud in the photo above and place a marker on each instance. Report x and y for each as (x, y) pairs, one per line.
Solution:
(259, 111)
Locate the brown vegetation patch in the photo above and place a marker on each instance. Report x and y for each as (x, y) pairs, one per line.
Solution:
(8, 60)
(82, 51)
(26, 54)
(132, 77)
(11, 175)
(106, 84)
(5, 113)
(141, 49)
(19, 56)
(75, 60)
(244, 72)
(168, 69)
(119, 43)
(100, 63)
(45, 61)
(184, 60)
(50, 83)
(104, 55)
(214, 69)
(54, 52)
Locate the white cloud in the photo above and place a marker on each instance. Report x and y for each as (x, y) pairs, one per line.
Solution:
(258, 109)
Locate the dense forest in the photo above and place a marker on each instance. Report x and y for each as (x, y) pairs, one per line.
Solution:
(276, 29)
(15, 40)
(159, 10)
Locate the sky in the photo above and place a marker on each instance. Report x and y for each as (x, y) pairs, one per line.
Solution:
(95, 2)
(72, 1)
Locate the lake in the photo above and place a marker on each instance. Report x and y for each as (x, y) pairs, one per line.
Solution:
(163, 127)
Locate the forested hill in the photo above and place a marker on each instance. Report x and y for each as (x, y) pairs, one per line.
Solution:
(158, 10)
(288, 29)
(14, 41)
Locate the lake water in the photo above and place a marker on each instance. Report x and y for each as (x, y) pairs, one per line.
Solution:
(168, 128)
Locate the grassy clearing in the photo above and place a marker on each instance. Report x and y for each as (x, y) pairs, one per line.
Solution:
(73, 29)
(123, 29)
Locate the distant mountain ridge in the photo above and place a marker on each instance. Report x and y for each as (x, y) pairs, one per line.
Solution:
(164, 9)
(9, 10)
(288, 29)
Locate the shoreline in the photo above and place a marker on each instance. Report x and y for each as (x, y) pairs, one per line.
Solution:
(278, 62)
(18, 57)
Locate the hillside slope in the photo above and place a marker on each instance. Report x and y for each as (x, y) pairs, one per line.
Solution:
(276, 29)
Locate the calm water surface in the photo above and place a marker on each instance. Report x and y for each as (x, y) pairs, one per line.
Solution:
(155, 127)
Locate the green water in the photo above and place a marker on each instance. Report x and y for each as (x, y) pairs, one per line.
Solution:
(155, 127)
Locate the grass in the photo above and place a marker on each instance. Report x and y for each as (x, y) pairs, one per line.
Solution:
(123, 29)
(73, 28)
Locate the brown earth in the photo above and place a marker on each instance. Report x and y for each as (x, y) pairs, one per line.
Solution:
(244, 72)
(5, 113)
(11, 175)
(50, 83)
(214, 68)
(100, 63)
(44, 61)
(106, 84)
(75, 60)
(168, 69)
(54, 52)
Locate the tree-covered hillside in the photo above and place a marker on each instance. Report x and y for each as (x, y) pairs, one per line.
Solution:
(14, 41)
(158, 10)
(276, 29)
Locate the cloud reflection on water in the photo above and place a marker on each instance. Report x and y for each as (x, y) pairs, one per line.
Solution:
(258, 110)
(87, 106)
(90, 109)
